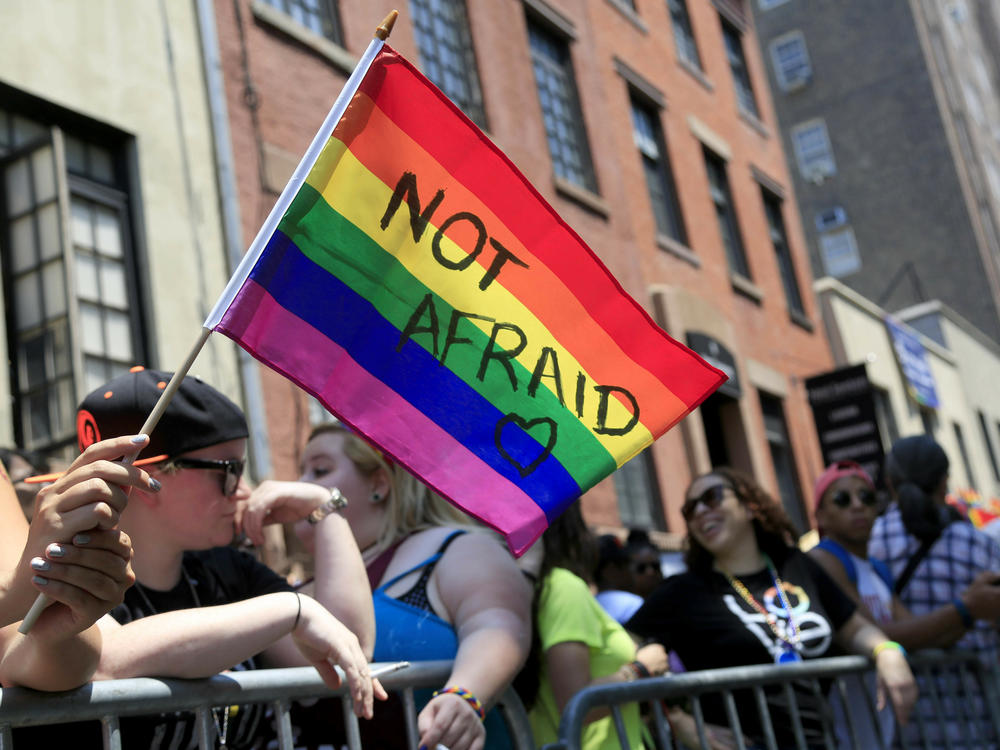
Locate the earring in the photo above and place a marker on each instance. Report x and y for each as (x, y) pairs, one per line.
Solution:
(376, 497)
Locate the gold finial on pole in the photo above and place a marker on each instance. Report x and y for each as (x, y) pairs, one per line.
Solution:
(385, 28)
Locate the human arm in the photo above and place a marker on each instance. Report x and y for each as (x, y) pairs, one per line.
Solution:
(489, 605)
(859, 636)
(83, 578)
(341, 584)
(200, 642)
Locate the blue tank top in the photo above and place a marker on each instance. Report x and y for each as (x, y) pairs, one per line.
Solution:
(404, 631)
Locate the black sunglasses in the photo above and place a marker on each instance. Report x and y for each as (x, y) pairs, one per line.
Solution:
(842, 498)
(710, 498)
(232, 468)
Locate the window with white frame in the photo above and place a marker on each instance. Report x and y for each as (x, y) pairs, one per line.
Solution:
(444, 41)
(73, 320)
(839, 251)
(319, 16)
(791, 61)
(813, 152)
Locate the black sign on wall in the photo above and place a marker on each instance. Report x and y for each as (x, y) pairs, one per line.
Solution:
(843, 407)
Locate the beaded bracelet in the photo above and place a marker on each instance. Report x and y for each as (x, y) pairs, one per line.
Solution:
(967, 619)
(887, 644)
(465, 695)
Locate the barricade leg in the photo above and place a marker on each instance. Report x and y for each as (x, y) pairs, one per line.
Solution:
(283, 724)
(111, 733)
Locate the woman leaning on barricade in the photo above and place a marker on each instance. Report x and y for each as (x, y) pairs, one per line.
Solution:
(750, 597)
(443, 588)
(577, 644)
(73, 553)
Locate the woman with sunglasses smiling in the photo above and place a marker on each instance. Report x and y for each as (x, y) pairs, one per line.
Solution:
(750, 597)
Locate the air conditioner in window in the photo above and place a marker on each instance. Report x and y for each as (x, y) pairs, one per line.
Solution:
(831, 218)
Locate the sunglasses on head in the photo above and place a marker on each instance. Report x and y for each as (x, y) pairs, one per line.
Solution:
(232, 469)
(710, 498)
(842, 498)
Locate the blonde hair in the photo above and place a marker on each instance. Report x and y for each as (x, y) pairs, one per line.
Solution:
(411, 505)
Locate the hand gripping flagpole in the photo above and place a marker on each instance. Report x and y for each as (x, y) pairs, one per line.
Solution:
(242, 272)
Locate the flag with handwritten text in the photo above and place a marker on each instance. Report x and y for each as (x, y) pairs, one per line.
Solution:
(421, 288)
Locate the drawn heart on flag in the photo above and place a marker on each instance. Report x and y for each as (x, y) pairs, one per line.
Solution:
(526, 425)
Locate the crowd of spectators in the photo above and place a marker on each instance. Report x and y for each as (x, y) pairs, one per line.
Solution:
(137, 561)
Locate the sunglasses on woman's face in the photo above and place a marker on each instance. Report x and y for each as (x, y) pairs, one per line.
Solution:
(232, 469)
(710, 498)
(842, 498)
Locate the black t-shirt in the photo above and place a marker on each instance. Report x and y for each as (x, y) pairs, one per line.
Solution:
(709, 625)
(218, 576)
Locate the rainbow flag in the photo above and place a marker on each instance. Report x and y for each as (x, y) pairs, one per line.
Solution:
(413, 281)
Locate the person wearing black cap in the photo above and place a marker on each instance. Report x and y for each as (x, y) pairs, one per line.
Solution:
(614, 579)
(200, 607)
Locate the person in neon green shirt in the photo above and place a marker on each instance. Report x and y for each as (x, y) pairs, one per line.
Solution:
(578, 644)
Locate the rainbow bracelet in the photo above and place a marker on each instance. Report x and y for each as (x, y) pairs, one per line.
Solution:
(465, 695)
(886, 645)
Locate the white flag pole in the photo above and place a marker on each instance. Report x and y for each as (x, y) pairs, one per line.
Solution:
(296, 181)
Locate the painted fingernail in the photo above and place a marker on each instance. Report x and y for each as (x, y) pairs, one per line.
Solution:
(40, 581)
(154, 484)
(37, 563)
(140, 439)
(55, 550)
(81, 539)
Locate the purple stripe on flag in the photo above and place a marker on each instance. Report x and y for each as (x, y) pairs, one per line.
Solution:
(363, 401)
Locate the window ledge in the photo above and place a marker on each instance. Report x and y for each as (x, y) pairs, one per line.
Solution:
(284, 23)
(801, 320)
(590, 201)
(697, 73)
(622, 7)
(677, 249)
(746, 287)
(755, 122)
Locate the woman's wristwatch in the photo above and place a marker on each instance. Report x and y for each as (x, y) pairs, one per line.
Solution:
(336, 502)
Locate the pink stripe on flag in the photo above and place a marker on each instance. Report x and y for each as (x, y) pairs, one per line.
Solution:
(286, 343)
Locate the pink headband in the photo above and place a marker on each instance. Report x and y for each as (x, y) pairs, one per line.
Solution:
(836, 471)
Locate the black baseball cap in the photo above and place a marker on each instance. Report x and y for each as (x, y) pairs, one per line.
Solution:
(196, 417)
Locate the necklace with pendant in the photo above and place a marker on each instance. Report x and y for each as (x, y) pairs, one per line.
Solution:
(222, 730)
(788, 636)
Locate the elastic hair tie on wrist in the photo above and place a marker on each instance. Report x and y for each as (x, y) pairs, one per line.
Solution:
(465, 695)
(298, 612)
(967, 619)
(887, 645)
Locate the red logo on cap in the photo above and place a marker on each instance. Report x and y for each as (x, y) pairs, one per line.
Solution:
(86, 430)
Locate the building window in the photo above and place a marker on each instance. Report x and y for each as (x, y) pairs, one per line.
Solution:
(319, 16)
(839, 251)
(929, 421)
(988, 442)
(444, 41)
(963, 451)
(561, 107)
(791, 61)
(768, 4)
(779, 239)
(639, 502)
(738, 66)
(687, 49)
(64, 340)
(718, 185)
(783, 459)
(648, 137)
(813, 151)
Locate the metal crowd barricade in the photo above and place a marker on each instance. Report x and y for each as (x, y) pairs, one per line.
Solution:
(109, 700)
(952, 683)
